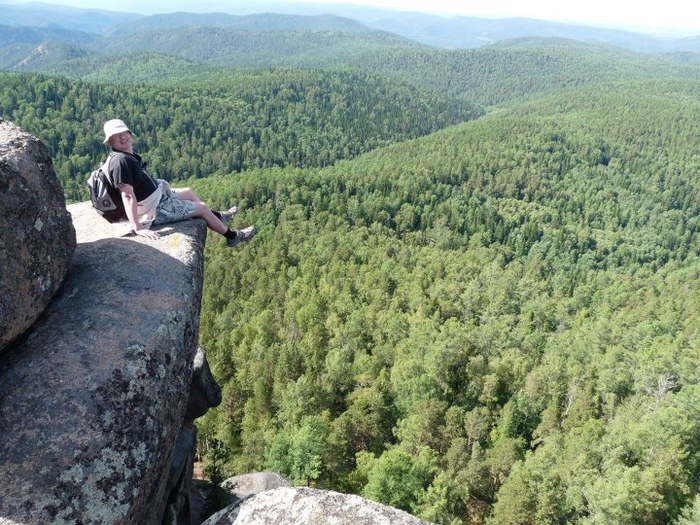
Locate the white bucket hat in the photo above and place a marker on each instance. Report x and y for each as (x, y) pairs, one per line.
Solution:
(114, 126)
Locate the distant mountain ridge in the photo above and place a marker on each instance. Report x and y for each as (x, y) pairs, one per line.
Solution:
(469, 32)
(232, 47)
(260, 22)
(37, 14)
(432, 30)
(36, 35)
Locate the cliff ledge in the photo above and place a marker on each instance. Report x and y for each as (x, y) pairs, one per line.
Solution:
(93, 395)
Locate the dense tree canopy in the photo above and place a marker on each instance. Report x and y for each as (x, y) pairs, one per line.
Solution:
(495, 322)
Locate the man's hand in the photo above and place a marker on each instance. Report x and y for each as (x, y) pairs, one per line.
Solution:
(149, 234)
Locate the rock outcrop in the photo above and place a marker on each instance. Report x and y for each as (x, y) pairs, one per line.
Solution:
(93, 396)
(37, 238)
(294, 506)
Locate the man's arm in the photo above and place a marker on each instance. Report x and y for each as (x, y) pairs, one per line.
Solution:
(130, 207)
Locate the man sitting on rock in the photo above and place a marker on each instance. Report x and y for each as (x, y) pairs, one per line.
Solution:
(148, 202)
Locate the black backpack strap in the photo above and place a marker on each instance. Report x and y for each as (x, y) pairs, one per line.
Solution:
(105, 168)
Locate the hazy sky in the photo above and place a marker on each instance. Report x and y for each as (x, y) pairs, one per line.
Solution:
(647, 15)
(681, 15)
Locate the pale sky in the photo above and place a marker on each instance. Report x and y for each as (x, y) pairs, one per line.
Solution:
(657, 16)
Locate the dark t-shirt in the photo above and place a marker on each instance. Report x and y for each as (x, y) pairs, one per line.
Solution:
(127, 168)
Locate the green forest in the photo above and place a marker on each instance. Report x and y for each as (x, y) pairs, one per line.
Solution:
(474, 291)
(495, 324)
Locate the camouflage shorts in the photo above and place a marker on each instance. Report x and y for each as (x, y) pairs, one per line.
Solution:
(171, 208)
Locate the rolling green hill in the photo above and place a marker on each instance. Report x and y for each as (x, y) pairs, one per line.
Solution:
(523, 68)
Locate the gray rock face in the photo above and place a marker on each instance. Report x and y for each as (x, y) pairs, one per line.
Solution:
(295, 506)
(37, 238)
(93, 398)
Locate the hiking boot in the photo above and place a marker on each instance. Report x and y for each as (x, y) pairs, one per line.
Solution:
(227, 215)
(241, 235)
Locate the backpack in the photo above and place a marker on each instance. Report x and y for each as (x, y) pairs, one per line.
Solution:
(106, 199)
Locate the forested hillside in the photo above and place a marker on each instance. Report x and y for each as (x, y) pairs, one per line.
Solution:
(243, 47)
(248, 119)
(497, 323)
(473, 294)
(265, 21)
(494, 75)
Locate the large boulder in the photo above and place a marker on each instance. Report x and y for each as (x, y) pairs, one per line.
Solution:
(37, 238)
(93, 398)
(254, 482)
(205, 392)
(292, 506)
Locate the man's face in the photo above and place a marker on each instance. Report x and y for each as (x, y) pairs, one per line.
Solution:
(121, 141)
